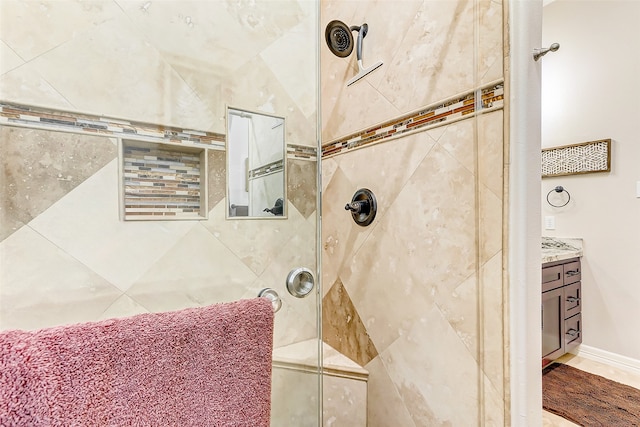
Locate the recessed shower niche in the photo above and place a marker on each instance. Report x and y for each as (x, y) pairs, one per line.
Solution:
(162, 181)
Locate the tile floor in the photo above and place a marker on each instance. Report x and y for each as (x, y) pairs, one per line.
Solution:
(607, 371)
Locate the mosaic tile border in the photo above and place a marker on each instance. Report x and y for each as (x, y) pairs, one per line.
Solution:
(15, 114)
(267, 169)
(302, 152)
(442, 113)
(574, 159)
(43, 118)
(161, 182)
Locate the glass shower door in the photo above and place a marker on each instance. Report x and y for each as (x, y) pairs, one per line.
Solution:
(158, 75)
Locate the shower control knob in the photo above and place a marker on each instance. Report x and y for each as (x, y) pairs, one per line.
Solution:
(357, 207)
(363, 207)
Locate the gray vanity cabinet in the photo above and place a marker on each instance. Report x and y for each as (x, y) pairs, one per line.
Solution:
(561, 308)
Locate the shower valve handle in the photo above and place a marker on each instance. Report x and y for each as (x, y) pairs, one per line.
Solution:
(363, 207)
(358, 207)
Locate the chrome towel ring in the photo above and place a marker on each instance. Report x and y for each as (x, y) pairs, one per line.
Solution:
(559, 189)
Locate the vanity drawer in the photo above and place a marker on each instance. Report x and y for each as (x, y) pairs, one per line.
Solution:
(552, 277)
(572, 332)
(572, 272)
(572, 299)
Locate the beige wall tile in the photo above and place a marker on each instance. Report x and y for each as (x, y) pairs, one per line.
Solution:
(490, 151)
(342, 327)
(490, 44)
(345, 402)
(458, 140)
(552, 420)
(389, 24)
(256, 242)
(285, 58)
(493, 319)
(302, 185)
(29, 40)
(256, 87)
(429, 378)
(385, 405)
(424, 246)
(198, 270)
(460, 308)
(329, 167)
(8, 58)
(294, 398)
(349, 109)
(41, 285)
(216, 177)
(490, 233)
(85, 224)
(385, 168)
(39, 167)
(116, 73)
(495, 406)
(194, 35)
(435, 59)
(124, 306)
(165, 62)
(294, 324)
(25, 85)
(341, 236)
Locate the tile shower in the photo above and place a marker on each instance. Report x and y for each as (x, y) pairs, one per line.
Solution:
(416, 299)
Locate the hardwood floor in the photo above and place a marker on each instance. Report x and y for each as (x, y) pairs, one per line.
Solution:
(622, 376)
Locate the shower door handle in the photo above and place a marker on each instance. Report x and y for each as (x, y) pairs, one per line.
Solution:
(300, 282)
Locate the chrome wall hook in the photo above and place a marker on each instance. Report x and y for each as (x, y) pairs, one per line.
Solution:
(538, 53)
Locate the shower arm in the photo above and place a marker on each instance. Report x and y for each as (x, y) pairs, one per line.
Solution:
(362, 32)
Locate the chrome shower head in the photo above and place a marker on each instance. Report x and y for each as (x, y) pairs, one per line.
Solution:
(339, 38)
(340, 42)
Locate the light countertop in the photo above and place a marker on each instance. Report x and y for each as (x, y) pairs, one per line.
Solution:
(560, 248)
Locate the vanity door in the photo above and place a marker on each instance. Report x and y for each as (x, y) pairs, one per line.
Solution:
(552, 318)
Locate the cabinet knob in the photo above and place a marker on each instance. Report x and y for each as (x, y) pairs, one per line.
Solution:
(572, 272)
(572, 299)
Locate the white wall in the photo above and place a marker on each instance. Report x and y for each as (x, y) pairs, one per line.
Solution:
(524, 242)
(590, 91)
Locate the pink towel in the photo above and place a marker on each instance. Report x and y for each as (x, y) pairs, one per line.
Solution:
(206, 366)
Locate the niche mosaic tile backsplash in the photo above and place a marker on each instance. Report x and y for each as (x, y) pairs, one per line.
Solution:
(162, 181)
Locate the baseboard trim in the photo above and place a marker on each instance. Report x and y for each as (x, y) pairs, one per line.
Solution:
(608, 358)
